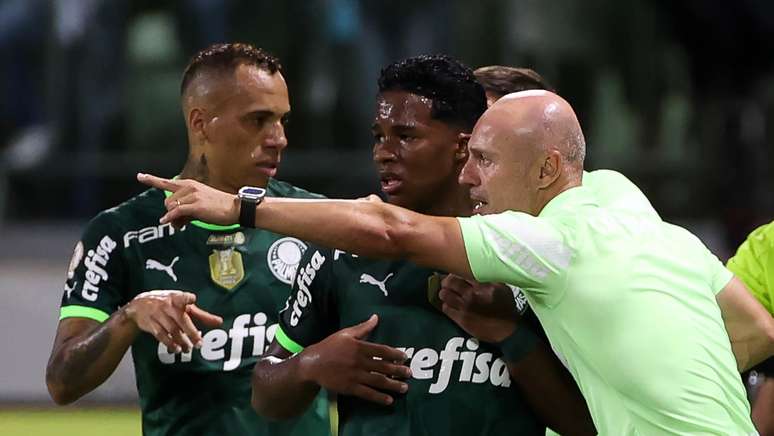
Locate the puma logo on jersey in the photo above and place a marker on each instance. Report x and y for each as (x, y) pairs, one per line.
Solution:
(153, 264)
(369, 279)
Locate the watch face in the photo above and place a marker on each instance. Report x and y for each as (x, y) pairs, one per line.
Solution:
(252, 193)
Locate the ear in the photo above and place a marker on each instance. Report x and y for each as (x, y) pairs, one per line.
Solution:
(550, 169)
(461, 149)
(197, 124)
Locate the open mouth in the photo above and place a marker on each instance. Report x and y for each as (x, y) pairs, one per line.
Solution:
(390, 183)
(478, 205)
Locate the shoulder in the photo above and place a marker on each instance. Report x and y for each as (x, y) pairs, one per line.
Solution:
(143, 209)
(603, 176)
(514, 224)
(330, 261)
(278, 188)
(763, 236)
(758, 246)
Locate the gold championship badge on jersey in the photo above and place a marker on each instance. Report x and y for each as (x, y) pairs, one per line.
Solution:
(226, 268)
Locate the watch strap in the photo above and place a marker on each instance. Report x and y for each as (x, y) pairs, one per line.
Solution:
(247, 212)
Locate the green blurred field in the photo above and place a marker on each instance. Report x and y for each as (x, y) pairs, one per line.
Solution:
(70, 421)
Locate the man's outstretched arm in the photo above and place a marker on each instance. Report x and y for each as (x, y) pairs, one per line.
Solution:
(357, 226)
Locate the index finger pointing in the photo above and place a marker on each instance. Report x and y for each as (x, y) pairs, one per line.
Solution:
(158, 182)
(183, 299)
(203, 316)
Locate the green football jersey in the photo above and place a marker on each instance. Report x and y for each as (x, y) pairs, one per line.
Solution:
(242, 275)
(458, 386)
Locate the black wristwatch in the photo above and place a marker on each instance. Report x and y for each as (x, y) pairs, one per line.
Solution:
(249, 198)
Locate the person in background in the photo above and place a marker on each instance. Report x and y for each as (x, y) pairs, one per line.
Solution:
(753, 263)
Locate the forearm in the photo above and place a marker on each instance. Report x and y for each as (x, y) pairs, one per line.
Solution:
(81, 363)
(280, 391)
(369, 229)
(752, 339)
(750, 347)
(365, 228)
(552, 393)
(749, 326)
(763, 408)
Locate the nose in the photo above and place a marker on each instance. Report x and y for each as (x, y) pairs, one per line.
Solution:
(276, 138)
(384, 152)
(468, 174)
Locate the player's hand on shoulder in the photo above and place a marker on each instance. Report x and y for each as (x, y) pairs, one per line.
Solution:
(168, 316)
(486, 311)
(191, 200)
(345, 363)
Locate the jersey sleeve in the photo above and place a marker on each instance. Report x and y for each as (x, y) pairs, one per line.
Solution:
(718, 273)
(310, 312)
(515, 248)
(753, 263)
(96, 276)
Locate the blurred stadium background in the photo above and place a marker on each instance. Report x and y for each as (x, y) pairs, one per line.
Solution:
(677, 95)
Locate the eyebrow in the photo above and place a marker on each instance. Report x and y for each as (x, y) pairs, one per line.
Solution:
(268, 112)
(404, 126)
(398, 127)
(477, 149)
(261, 113)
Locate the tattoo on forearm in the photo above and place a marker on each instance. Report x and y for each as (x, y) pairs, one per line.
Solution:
(82, 355)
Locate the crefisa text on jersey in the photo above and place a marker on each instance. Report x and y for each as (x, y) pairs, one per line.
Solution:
(304, 277)
(476, 367)
(215, 343)
(95, 263)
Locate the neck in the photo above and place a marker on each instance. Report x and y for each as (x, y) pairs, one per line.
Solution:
(196, 168)
(451, 200)
(555, 189)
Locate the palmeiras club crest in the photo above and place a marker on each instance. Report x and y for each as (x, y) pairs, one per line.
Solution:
(283, 258)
